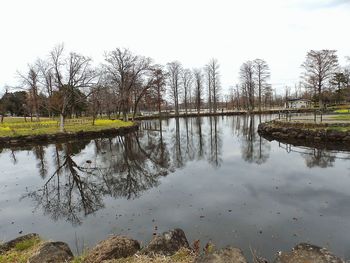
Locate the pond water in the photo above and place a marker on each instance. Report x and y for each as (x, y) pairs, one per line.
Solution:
(213, 177)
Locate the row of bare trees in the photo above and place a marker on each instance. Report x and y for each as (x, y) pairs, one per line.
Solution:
(324, 79)
(254, 77)
(68, 84)
(189, 87)
(58, 83)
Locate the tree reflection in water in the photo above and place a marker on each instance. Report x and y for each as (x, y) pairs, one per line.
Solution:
(126, 166)
(39, 153)
(123, 167)
(214, 142)
(72, 189)
(313, 157)
(319, 158)
(254, 148)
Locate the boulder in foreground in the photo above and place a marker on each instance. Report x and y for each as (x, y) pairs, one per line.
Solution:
(168, 243)
(112, 248)
(11, 244)
(52, 252)
(303, 253)
(226, 255)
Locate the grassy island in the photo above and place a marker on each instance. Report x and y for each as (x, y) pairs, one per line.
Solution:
(14, 127)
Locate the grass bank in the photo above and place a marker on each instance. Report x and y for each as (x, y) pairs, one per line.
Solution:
(23, 250)
(13, 127)
(344, 117)
(311, 126)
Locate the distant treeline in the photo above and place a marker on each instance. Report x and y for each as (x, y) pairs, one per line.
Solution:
(67, 84)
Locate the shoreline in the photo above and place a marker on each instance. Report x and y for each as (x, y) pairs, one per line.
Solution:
(170, 246)
(42, 139)
(25, 140)
(332, 136)
(222, 113)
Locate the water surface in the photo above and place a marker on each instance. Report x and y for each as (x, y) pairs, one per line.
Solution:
(213, 177)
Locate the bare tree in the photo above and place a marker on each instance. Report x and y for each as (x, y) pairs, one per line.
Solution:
(262, 74)
(95, 99)
(142, 86)
(31, 83)
(187, 79)
(125, 70)
(107, 95)
(198, 79)
(174, 72)
(213, 78)
(72, 75)
(319, 68)
(47, 81)
(209, 88)
(247, 82)
(159, 83)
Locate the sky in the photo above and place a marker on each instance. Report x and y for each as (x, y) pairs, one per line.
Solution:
(190, 31)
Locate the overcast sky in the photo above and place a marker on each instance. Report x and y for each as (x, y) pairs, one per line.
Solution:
(190, 31)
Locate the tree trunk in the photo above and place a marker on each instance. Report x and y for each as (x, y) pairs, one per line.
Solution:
(186, 104)
(36, 107)
(61, 122)
(93, 119)
(159, 102)
(259, 94)
(214, 95)
(320, 102)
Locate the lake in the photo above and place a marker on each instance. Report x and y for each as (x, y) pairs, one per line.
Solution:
(214, 177)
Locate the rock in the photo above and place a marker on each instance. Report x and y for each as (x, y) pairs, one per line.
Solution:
(292, 134)
(52, 252)
(167, 243)
(112, 248)
(11, 244)
(307, 253)
(226, 255)
(346, 138)
(300, 135)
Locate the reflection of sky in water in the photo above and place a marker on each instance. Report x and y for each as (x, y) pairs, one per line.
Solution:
(251, 192)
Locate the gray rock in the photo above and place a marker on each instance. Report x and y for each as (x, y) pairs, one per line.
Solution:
(52, 252)
(167, 243)
(303, 253)
(226, 255)
(112, 248)
(11, 244)
(346, 138)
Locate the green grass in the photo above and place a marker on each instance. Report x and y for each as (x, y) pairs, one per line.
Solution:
(342, 117)
(79, 259)
(342, 111)
(182, 256)
(21, 252)
(13, 127)
(339, 128)
(26, 244)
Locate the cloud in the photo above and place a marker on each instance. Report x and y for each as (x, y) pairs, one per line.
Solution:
(315, 4)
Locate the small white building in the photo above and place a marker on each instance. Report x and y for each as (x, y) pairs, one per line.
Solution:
(298, 103)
